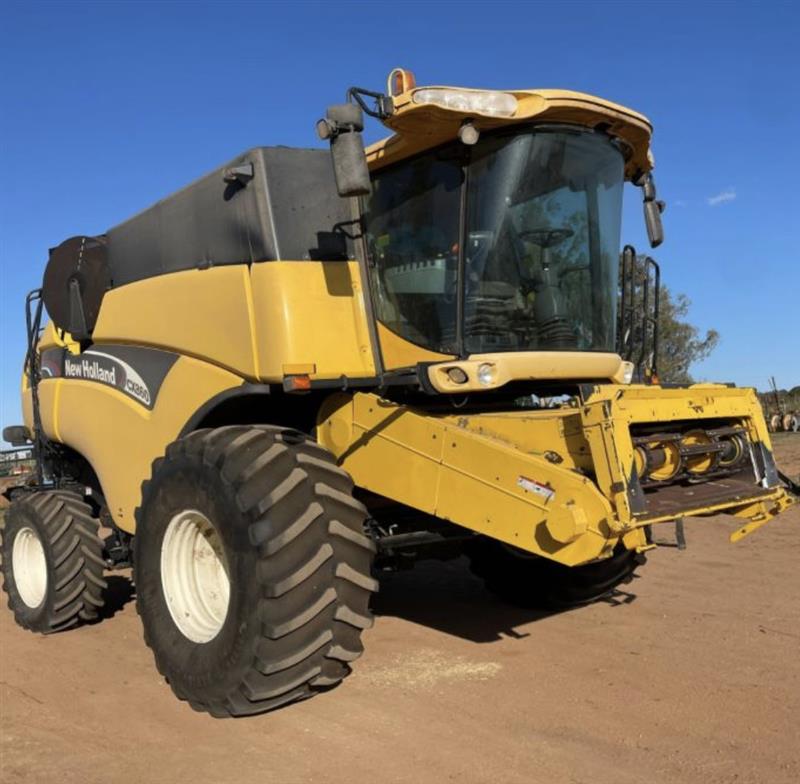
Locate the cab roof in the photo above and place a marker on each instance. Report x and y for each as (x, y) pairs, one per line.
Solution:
(420, 126)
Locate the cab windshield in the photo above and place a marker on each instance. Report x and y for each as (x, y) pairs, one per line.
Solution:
(510, 245)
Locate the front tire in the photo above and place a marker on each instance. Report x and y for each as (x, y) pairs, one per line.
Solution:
(52, 561)
(531, 581)
(252, 569)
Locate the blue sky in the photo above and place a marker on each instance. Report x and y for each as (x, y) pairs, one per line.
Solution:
(106, 107)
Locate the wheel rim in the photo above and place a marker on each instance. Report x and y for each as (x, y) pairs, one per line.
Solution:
(194, 576)
(29, 566)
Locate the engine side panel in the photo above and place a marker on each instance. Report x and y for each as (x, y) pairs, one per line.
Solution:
(120, 406)
(261, 322)
(311, 315)
(203, 313)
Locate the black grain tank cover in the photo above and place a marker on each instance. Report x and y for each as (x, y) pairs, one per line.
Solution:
(271, 203)
(76, 279)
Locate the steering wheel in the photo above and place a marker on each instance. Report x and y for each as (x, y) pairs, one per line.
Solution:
(545, 238)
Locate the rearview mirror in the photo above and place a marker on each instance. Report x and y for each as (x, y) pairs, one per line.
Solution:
(342, 126)
(652, 219)
(652, 210)
(17, 435)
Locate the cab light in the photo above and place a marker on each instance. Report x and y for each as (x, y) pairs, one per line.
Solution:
(457, 375)
(486, 374)
(468, 134)
(489, 102)
(401, 81)
(627, 372)
(298, 383)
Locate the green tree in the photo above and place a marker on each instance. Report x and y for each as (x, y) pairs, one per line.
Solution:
(680, 343)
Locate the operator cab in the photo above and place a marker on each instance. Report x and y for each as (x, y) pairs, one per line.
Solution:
(492, 225)
(540, 209)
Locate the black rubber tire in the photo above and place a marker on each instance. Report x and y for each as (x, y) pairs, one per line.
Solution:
(73, 553)
(530, 581)
(298, 559)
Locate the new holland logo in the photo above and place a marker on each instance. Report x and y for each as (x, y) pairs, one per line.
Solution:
(97, 366)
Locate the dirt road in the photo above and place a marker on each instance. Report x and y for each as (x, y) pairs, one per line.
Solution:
(690, 675)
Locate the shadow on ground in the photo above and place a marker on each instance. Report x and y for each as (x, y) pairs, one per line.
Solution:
(445, 596)
(120, 592)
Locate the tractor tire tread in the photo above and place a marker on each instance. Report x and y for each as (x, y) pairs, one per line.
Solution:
(73, 551)
(313, 564)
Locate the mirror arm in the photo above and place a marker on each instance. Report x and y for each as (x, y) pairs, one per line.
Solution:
(382, 108)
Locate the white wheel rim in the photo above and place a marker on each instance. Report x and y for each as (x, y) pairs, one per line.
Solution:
(29, 566)
(194, 576)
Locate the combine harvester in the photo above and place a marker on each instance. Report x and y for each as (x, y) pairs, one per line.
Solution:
(289, 374)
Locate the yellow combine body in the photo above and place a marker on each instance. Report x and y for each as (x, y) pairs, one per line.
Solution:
(257, 417)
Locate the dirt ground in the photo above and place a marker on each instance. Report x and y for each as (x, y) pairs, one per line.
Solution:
(692, 674)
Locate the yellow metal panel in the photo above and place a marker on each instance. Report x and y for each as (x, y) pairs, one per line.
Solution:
(398, 463)
(528, 366)
(48, 396)
(49, 388)
(489, 487)
(307, 369)
(555, 434)
(507, 366)
(443, 468)
(311, 313)
(120, 437)
(202, 313)
(409, 447)
(759, 513)
(398, 352)
(51, 337)
(771, 505)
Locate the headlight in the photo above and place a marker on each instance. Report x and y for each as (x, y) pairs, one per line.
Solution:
(486, 374)
(627, 373)
(495, 104)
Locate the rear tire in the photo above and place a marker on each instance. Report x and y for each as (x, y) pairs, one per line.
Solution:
(52, 561)
(278, 614)
(531, 581)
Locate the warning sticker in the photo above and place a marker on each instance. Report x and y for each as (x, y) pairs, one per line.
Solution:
(533, 486)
